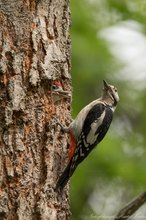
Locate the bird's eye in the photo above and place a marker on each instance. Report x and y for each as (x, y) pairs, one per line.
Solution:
(116, 90)
(54, 87)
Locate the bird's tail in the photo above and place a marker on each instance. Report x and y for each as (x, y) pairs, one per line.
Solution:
(63, 179)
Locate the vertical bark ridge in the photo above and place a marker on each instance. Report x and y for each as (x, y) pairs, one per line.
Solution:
(34, 51)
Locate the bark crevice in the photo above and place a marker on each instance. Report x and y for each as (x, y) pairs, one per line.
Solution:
(35, 51)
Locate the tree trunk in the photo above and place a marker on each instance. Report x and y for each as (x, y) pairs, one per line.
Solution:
(34, 51)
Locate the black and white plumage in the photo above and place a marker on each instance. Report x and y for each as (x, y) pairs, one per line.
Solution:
(88, 129)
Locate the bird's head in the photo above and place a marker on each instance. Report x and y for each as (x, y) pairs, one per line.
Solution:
(110, 94)
(56, 87)
(58, 93)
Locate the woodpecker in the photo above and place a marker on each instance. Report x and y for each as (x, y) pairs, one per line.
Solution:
(88, 130)
(58, 93)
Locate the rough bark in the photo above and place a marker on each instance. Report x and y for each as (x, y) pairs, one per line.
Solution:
(34, 51)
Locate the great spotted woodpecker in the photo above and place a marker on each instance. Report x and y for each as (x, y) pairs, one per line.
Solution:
(88, 129)
(58, 93)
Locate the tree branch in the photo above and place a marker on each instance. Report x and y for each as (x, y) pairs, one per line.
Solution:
(132, 207)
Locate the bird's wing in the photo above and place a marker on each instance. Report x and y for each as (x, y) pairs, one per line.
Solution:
(95, 127)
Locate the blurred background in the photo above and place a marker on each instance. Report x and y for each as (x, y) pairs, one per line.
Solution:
(109, 42)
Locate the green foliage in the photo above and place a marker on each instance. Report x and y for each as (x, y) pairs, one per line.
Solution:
(121, 156)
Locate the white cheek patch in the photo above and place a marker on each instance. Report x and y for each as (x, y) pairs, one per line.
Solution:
(115, 93)
(116, 97)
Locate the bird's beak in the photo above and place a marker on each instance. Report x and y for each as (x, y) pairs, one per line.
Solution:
(106, 85)
(62, 94)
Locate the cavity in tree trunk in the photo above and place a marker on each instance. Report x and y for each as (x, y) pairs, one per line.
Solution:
(34, 51)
